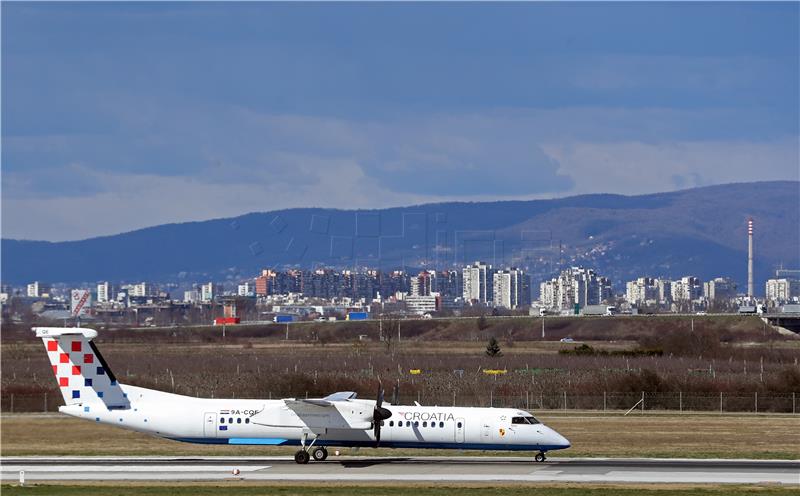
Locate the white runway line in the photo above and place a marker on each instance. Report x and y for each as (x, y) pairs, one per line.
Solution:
(32, 469)
(403, 469)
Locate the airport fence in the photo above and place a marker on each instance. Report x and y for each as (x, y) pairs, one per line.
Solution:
(633, 403)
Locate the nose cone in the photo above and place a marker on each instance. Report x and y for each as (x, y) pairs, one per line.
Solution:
(556, 440)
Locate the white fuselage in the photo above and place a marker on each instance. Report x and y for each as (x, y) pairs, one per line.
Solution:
(272, 422)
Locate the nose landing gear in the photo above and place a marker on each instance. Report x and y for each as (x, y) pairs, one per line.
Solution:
(540, 457)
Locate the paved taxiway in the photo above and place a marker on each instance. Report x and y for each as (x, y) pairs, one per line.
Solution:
(443, 469)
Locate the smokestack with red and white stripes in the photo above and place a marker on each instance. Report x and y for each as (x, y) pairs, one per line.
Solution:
(750, 257)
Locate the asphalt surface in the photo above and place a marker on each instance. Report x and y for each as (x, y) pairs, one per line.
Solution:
(379, 469)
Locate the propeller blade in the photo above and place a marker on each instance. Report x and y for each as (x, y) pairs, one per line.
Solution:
(379, 414)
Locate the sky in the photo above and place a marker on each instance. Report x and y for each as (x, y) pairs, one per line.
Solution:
(122, 116)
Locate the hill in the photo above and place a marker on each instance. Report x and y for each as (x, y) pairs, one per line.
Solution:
(699, 231)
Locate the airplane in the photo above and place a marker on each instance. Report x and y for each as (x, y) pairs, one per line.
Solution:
(91, 391)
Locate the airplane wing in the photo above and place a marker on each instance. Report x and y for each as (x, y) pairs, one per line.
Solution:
(341, 396)
(333, 411)
(327, 401)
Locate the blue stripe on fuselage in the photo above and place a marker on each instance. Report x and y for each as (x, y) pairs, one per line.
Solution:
(371, 444)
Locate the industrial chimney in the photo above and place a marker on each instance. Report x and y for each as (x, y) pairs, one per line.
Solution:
(750, 257)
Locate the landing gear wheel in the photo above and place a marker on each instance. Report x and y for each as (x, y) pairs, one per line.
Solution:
(319, 454)
(540, 457)
(301, 457)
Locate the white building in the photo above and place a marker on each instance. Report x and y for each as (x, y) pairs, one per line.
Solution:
(141, 289)
(37, 289)
(575, 286)
(104, 292)
(687, 289)
(207, 291)
(420, 304)
(478, 283)
(783, 290)
(191, 296)
(508, 288)
(246, 289)
(642, 291)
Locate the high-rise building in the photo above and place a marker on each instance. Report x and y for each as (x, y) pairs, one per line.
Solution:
(141, 289)
(37, 289)
(575, 286)
(508, 288)
(478, 283)
(207, 291)
(642, 291)
(785, 290)
(104, 292)
(263, 283)
(245, 289)
(687, 289)
(719, 289)
(421, 285)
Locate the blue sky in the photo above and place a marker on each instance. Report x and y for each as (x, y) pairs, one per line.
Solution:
(121, 116)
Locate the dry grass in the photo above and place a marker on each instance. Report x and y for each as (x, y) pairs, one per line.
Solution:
(661, 435)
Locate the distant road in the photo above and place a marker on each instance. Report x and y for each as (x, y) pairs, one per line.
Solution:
(428, 469)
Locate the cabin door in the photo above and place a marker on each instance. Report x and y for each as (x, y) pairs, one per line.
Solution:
(459, 430)
(210, 424)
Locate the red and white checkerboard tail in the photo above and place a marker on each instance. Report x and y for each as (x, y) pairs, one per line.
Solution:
(82, 374)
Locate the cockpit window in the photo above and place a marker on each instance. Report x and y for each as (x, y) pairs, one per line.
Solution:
(524, 420)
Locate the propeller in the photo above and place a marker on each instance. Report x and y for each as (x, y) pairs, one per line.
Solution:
(379, 415)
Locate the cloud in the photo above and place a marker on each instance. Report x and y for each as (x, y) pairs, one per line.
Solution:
(209, 161)
(631, 167)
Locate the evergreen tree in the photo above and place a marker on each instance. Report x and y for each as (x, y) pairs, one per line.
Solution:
(493, 348)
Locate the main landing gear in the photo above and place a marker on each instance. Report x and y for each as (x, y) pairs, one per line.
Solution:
(302, 456)
(319, 454)
(540, 457)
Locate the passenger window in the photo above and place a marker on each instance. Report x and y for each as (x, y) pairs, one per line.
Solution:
(391, 423)
(416, 423)
(441, 424)
(408, 423)
(381, 423)
(230, 420)
(459, 425)
(424, 424)
(239, 420)
(247, 421)
(222, 420)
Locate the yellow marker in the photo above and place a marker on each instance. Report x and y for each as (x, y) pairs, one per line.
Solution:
(415, 371)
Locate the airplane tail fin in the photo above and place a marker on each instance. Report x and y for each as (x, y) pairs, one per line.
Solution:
(83, 375)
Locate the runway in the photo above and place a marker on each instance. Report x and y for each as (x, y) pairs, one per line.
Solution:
(421, 469)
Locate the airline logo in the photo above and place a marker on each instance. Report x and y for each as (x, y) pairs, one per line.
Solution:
(425, 416)
(79, 298)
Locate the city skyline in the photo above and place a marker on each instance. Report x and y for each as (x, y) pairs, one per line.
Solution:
(216, 112)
